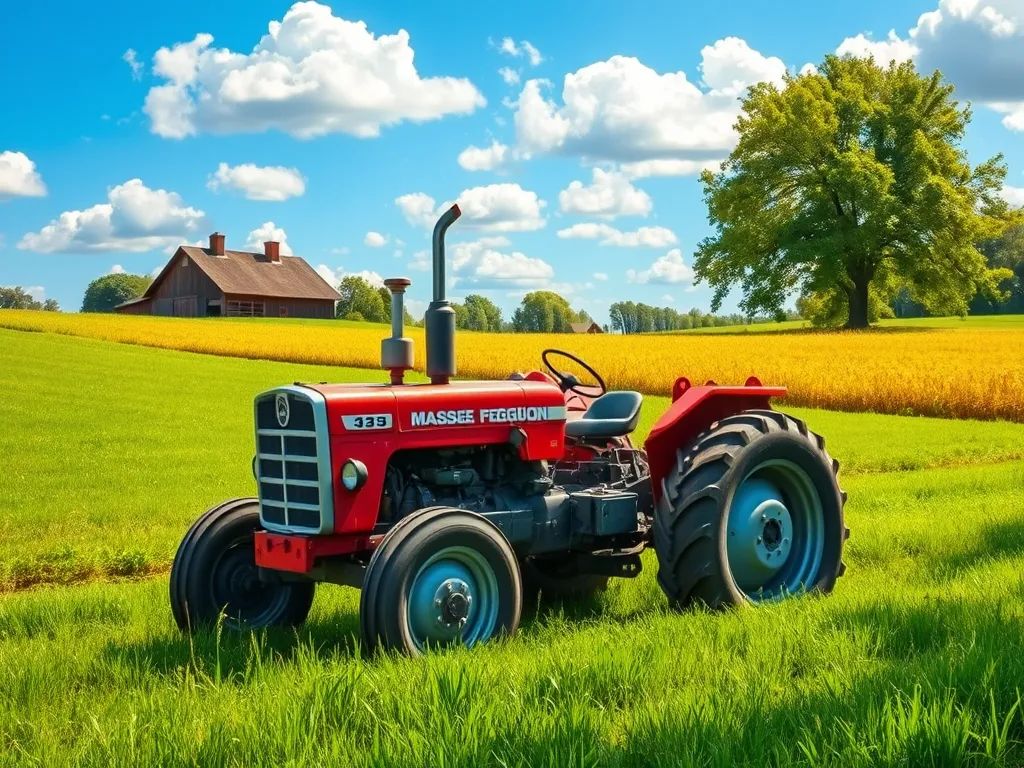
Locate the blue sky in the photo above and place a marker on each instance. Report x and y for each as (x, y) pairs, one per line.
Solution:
(327, 133)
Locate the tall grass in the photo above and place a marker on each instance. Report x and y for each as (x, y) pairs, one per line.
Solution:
(973, 372)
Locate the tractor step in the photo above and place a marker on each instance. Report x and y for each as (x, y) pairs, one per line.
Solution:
(623, 564)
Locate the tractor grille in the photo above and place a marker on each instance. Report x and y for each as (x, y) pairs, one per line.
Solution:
(292, 465)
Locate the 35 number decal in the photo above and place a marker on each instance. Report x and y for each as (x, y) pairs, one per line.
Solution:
(367, 421)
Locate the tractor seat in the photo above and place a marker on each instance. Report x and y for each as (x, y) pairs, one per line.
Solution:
(613, 414)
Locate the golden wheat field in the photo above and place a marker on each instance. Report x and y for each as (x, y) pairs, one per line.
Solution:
(955, 373)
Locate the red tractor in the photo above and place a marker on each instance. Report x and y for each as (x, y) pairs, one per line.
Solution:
(444, 501)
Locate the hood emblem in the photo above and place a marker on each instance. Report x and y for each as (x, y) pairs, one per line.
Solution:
(284, 410)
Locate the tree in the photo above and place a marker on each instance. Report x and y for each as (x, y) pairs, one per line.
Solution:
(358, 296)
(849, 180)
(545, 312)
(385, 297)
(16, 297)
(1005, 252)
(105, 293)
(484, 314)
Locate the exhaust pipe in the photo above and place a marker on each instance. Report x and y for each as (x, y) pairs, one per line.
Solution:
(439, 319)
(396, 353)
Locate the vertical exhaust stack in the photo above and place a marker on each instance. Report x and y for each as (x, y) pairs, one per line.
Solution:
(440, 316)
(397, 353)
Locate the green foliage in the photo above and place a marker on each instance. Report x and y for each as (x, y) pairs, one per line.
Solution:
(1005, 252)
(105, 293)
(636, 317)
(354, 316)
(483, 314)
(385, 297)
(848, 180)
(831, 308)
(358, 296)
(545, 312)
(15, 297)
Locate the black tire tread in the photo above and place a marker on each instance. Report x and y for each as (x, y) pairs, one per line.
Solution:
(687, 517)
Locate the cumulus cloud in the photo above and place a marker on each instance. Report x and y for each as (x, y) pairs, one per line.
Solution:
(375, 240)
(267, 231)
(978, 45)
(19, 177)
(600, 275)
(648, 237)
(313, 73)
(667, 270)
(1013, 195)
(272, 183)
(610, 194)
(474, 158)
(648, 168)
(509, 75)
(134, 219)
(622, 110)
(509, 47)
(117, 269)
(480, 265)
(495, 208)
(133, 63)
(334, 276)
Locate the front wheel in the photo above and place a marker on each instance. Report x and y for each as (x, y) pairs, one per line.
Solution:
(441, 576)
(751, 513)
(215, 571)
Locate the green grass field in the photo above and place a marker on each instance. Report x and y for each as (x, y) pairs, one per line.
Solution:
(113, 450)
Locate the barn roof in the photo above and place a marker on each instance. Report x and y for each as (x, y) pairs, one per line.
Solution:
(254, 274)
(583, 327)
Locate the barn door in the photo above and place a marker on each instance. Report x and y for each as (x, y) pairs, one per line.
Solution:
(186, 306)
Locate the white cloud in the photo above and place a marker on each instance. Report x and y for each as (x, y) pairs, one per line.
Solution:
(267, 231)
(375, 240)
(510, 48)
(271, 183)
(1013, 195)
(135, 65)
(882, 51)
(335, 276)
(600, 275)
(978, 45)
(495, 208)
(117, 269)
(667, 270)
(509, 75)
(135, 219)
(340, 251)
(474, 158)
(808, 69)
(647, 168)
(621, 110)
(668, 298)
(648, 237)
(313, 73)
(610, 194)
(19, 177)
(479, 265)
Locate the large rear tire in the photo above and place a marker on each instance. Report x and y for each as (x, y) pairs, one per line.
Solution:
(441, 576)
(752, 512)
(215, 570)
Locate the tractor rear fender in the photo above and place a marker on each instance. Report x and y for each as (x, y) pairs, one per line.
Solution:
(694, 410)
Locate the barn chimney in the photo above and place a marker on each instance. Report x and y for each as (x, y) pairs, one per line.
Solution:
(217, 244)
(272, 249)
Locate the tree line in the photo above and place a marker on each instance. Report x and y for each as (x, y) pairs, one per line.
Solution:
(16, 297)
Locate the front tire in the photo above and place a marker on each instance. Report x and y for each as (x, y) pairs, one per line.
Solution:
(752, 512)
(215, 570)
(441, 576)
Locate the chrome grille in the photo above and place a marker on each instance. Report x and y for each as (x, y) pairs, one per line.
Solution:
(293, 469)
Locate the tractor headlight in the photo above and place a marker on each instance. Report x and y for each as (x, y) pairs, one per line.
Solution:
(353, 474)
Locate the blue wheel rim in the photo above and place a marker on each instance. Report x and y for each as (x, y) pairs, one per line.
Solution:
(776, 532)
(453, 599)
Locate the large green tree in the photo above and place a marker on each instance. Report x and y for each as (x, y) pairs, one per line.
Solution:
(16, 297)
(846, 185)
(358, 297)
(545, 312)
(105, 293)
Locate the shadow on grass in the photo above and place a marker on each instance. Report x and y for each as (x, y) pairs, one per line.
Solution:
(997, 541)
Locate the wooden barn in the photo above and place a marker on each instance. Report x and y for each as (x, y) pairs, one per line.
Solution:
(589, 327)
(215, 282)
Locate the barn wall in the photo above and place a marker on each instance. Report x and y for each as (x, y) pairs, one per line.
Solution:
(139, 308)
(315, 308)
(185, 290)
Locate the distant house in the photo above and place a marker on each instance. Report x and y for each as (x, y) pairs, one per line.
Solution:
(590, 327)
(214, 282)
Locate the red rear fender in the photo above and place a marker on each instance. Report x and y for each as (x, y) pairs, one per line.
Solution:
(694, 410)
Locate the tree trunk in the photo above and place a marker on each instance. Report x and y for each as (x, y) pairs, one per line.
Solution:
(858, 304)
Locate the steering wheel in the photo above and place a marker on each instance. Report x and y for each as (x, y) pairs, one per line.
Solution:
(566, 381)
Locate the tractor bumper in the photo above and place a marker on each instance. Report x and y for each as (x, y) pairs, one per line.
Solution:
(298, 554)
